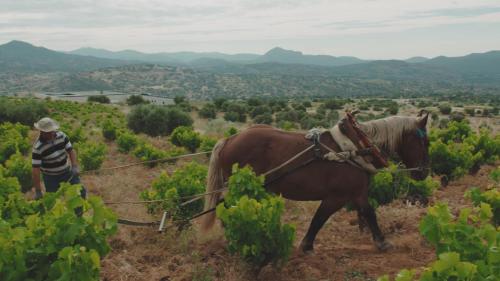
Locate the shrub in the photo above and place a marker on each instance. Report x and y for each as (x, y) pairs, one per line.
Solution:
(393, 109)
(13, 139)
(219, 102)
(265, 118)
(457, 116)
(287, 125)
(260, 110)
(309, 122)
(91, 155)
(186, 137)
(19, 167)
(75, 133)
(135, 100)
(491, 197)
(46, 240)
(99, 99)
(109, 130)
(455, 131)
(235, 112)
(391, 184)
(231, 131)
(252, 220)
(186, 181)
(127, 142)
(157, 120)
(207, 144)
(147, 152)
(474, 242)
(293, 116)
(334, 104)
(445, 109)
(487, 146)
(470, 111)
(452, 160)
(208, 111)
(24, 111)
(466, 246)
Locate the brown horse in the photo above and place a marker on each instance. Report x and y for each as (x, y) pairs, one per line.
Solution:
(333, 183)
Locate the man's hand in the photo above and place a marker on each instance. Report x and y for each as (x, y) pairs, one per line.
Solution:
(75, 170)
(38, 194)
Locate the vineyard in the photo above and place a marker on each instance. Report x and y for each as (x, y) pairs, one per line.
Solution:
(445, 227)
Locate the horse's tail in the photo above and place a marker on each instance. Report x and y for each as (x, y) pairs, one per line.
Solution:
(215, 181)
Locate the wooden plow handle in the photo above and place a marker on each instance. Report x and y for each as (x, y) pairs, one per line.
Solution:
(365, 140)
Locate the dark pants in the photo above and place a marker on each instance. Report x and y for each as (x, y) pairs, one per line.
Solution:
(52, 184)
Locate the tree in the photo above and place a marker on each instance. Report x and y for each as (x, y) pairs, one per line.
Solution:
(445, 109)
(157, 120)
(24, 111)
(208, 111)
(265, 118)
(99, 99)
(135, 100)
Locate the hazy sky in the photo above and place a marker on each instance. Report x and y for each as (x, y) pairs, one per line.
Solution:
(368, 29)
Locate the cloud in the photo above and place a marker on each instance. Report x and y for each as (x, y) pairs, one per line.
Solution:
(162, 25)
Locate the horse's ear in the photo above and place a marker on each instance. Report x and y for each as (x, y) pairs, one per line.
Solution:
(422, 119)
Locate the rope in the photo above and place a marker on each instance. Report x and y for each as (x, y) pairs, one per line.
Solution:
(192, 197)
(288, 161)
(147, 162)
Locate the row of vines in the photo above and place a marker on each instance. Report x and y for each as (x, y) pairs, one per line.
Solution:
(466, 246)
(46, 239)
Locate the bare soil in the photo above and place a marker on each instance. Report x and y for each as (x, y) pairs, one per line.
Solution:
(342, 252)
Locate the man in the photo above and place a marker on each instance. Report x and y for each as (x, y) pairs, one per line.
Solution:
(50, 158)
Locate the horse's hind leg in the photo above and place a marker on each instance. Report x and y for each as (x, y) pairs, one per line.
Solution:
(370, 217)
(362, 224)
(326, 209)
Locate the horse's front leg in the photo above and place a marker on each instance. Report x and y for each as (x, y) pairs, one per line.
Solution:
(366, 211)
(326, 209)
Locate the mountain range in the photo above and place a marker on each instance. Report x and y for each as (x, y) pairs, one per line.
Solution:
(278, 55)
(473, 70)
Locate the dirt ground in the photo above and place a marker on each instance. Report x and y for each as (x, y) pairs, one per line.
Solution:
(341, 251)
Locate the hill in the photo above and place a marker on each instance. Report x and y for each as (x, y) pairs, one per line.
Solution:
(175, 58)
(279, 72)
(416, 59)
(18, 56)
(475, 68)
(281, 55)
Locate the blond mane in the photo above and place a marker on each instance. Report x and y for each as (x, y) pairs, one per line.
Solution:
(387, 133)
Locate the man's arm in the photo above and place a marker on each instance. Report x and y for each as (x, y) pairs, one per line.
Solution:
(73, 158)
(36, 163)
(74, 162)
(36, 178)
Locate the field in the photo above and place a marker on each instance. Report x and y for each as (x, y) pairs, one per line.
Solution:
(342, 251)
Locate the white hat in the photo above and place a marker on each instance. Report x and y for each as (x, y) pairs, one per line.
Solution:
(47, 124)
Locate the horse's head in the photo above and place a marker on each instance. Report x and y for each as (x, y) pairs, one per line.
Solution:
(414, 148)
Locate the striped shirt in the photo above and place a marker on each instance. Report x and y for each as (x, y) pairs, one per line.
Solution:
(51, 156)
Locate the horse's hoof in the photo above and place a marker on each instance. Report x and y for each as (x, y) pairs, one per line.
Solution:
(306, 248)
(383, 245)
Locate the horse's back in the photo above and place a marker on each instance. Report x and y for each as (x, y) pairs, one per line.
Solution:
(262, 147)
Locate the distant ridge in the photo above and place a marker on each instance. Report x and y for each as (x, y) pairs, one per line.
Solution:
(416, 59)
(278, 55)
(19, 56)
(281, 55)
(478, 69)
(172, 58)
